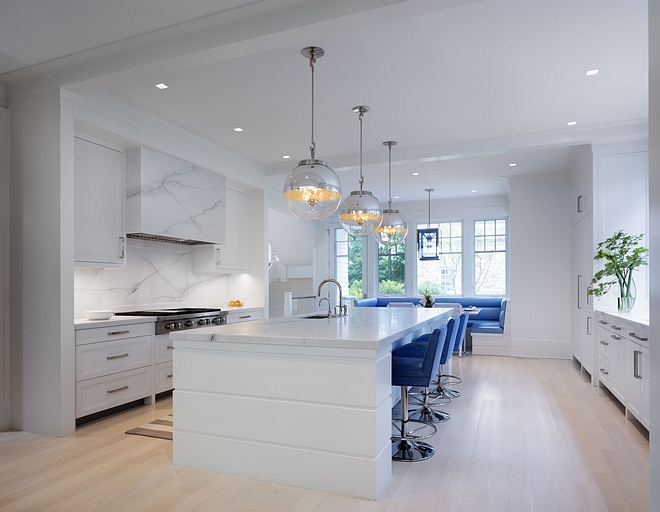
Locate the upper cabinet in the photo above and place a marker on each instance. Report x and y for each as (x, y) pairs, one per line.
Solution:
(98, 205)
(232, 255)
(582, 195)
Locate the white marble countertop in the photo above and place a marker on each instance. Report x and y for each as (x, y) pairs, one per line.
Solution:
(363, 328)
(640, 316)
(83, 323)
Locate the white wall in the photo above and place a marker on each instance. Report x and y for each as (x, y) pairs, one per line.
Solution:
(540, 264)
(654, 239)
(4, 266)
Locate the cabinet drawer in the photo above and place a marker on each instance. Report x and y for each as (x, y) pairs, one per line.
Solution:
(235, 317)
(605, 341)
(164, 348)
(604, 369)
(164, 377)
(95, 395)
(115, 332)
(99, 359)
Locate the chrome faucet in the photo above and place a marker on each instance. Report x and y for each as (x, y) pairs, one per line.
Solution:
(343, 311)
(329, 312)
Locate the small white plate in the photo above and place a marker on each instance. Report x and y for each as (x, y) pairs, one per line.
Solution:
(99, 314)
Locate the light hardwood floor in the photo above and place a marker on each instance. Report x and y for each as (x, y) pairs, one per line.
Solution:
(526, 435)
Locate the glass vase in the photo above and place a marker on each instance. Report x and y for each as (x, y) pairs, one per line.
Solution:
(626, 300)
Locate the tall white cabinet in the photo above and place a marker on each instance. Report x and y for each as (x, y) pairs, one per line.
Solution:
(99, 235)
(582, 268)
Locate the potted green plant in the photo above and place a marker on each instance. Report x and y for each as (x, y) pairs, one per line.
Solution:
(622, 254)
(426, 290)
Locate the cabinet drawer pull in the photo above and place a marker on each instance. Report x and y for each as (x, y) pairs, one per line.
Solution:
(616, 327)
(603, 370)
(119, 356)
(602, 322)
(615, 337)
(118, 389)
(640, 338)
(169, 375)
(244, 317)
(603, 342)
(579, 204)
(636, 355)
(170, 347)
(115, 333)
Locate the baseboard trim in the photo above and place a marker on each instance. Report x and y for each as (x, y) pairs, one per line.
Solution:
(547, 349)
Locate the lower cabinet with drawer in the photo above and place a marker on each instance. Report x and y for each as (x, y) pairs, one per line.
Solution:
(114, 366)
(234, 317)
(624, 363)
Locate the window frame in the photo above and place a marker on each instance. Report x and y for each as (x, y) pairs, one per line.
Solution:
(505, 219)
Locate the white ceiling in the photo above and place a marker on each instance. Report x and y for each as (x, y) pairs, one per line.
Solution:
(465, 87)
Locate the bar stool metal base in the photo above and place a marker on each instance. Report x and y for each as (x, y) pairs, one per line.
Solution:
(450, 380)
(411, 451)
(424, 430)
(427, 414)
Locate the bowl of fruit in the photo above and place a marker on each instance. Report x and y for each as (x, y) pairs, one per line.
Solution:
(237, 303)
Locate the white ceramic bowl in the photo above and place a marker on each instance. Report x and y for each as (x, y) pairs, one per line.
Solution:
(99, 314)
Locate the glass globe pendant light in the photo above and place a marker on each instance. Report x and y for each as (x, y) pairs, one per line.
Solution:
(360, 213)
(312, 190)
(394, 228)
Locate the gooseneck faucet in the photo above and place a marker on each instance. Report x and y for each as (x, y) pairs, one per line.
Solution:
(342, 311)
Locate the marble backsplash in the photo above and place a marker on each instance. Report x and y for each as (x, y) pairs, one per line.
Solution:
(156, 275)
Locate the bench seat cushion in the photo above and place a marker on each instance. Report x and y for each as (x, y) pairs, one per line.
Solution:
(486, 327)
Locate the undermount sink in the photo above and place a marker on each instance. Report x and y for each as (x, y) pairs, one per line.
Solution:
(317, 316)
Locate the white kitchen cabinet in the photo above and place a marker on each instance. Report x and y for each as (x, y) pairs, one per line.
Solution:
(624, 363)
(582, 193)
(231, 256)
(236, 316)
(612, 351)
(99, 233)
(637, 382)
(114, 365)
(582, 303)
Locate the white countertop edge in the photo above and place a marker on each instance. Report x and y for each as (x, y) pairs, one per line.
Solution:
(84, 323)
(363, 337)
(639, 317)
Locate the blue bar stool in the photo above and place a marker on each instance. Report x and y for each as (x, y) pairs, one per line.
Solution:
(425, 412)
(415, 371)
(452, 380)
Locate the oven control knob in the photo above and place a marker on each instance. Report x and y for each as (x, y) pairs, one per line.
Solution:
(168, 327)
(201, 322)
(189, 323)
(217, 320)
(176, 325)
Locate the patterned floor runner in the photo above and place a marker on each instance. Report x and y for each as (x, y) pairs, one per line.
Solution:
(161, 428)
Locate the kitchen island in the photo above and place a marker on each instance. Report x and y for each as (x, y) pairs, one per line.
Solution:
(295, 401)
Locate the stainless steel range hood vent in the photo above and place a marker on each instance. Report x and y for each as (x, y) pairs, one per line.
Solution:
(168, 239)
(168, 200)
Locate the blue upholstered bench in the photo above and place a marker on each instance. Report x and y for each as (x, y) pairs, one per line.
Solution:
(490, 320)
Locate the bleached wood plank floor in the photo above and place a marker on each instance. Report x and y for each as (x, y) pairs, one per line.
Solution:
(526, 435)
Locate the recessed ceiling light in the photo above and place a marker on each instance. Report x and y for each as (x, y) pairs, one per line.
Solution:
(512, 165)
(571, 123)
(396, 197)
(473, 191)
(415, 174)
(238, 129)
(161, 86)
(592, 72)
(286, 156)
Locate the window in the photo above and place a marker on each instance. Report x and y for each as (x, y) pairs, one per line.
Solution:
(392, 269)
(490, 257)
(444, 275)
(348, 262)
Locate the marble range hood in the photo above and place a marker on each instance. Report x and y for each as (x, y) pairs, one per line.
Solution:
(169, 200)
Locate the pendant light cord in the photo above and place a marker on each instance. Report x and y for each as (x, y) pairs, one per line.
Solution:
(312, 61)
(361, 177)
(389, 202)
(429, 190)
